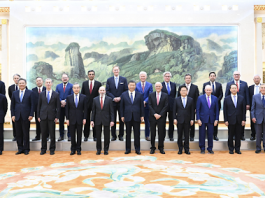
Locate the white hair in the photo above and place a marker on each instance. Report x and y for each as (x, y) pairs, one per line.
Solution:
(142, 72)
(256, 75)
(167, 72)
(208, 86)
(158, 83)
(236, 72)
(102, 87)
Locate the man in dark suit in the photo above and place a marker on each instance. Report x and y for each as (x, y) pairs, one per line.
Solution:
(102, 114)
(132, 113)
(218, 92)
(193, 92)
(76, 112)
(48, 113)
(145, 88)
(3, 110)
(64, 89)
(183, 113)
(115, 86)
(170, 89)
(207, 111)
(158, 105)
(90, 89)
(22, 111)
(11, 89)
(37, 90)
(258, 116)
(2, 88)
(242, 90)
(253, 90)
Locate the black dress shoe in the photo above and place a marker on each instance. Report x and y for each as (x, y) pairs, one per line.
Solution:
(35, 139)
(72, 153)
(180, 152)
(78, 152)
(183, 138)
(162, 151)
(106, 152)
(210, 152)
(138, 152)
(152, 151)
(95, 139)
(191, 139)
(202, 151)
(14, 139)
(0, 152)
(69, 139)
(147, 138)
(234, 138)
(42, 152)
(98, 152)
(216, 138)
(121, 138)
(60, 139)
(238, 152)
(85, 139)
(127, 152)
(243, 138)
(171, 139)
(48, 139)
(52, 153)
(187, 152)
(231, 152)
(252, 138)
(19, 152)
(113, 139)
(257, 151)
(26, 152)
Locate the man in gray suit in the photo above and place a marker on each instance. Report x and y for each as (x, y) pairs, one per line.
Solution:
(258, 116)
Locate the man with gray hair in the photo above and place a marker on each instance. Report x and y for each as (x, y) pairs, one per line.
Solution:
(253, 90)
(145, 88)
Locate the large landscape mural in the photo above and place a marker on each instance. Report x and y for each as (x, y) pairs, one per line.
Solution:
(179, 49)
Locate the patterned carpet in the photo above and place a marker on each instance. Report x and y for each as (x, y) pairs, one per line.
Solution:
(118, 175)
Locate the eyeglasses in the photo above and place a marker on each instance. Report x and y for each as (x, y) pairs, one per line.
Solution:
(167, 76)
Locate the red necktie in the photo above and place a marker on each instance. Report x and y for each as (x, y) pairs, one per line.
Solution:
(63, 87)
(90, 89)
(39, 90)
(157, 99)
(101, 103)
(143, 87)
(237, 87)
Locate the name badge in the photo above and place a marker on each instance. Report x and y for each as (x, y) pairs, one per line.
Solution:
(121, 83)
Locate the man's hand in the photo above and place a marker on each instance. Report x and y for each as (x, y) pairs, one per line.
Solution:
(39, 119)
(199, 122)
(144, 104)
(92, 123)
(142, 119)
(117, 99)
(243, 123)
(254, 120)
(56, 120)
(122, 119)
(215, 122)
(226, 123)
(67, 122)
(84, 121)
(63, 103)
(247, 107)
(13, 118)
(175, 122)
(30, 118)
(191, 122)
(111, 124)
(157, 116)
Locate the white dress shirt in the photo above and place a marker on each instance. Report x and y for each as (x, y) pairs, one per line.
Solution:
(188, 86)
(238, 83)
(255, 88)
(143, 83)
(232, 96)
(168, 84)
(185, 100)
(23, 93)
(209, 99)
(40, 88)
(213, 84)
(158, 95)
(103, 99)
(133, 94)
(89, 82)
(77, 97)
(47, 93)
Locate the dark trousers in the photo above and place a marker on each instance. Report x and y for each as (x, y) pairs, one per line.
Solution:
(215, 133)
(183, 128)
(47, 127)
(171, 124)
(87, 125)
(14, 129)
(192, 130)
(61, 123)
(38, 128)
(136, 133)
(146, 121)
(253, 130)
(98, 130)
(234, 130)
(202, 133)
(260, 128)
(161, 124)
(116, 109)
(76, 130)
(22, 134)
(1, 136)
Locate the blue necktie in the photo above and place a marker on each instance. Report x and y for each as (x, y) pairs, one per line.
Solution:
(131, 98)
(168, 89)
(21, 96)
(257, 89)
(184, 103)
(48, 97)
(263, 101)
(235, 100)
(116, 82)
(213, 87)
(76, 101)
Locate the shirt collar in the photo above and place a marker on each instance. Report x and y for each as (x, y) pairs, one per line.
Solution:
(116, 77)
(207, 95)
(131, 92)
(187, 84)
(22, 90)
(233, 95)
(40, 88)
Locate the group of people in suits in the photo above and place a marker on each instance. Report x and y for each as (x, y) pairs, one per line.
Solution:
(98, 106)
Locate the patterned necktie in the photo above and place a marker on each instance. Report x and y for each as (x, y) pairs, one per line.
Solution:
(90, 89)
(209, 103)
(131, 98)
(235, 101)
(168, 89)
(157, 99)
(21, 96)
(143, 87)
(101, 103)
(184, 103)
(76, 101)
(48, 97)
(39, 90)
(263, 101)
(63, 87)
(116, 82)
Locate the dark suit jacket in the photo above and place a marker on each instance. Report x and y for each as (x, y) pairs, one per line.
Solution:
(147, 90)
(22, 109)
(160, 109)
(102, 116)
(129, 109)
(204, 113)
(2, 88)
(49, 110)
(3, 108)
(111, 88)
(243, 90)
(251, 94)
(172, 95)
(85, 90)
(234, 114)
(218, 91)
(36, 96)
(68, 90)
(258, 110)
(181, 114)
(11, 89)
(76, 114)
(193, 93)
